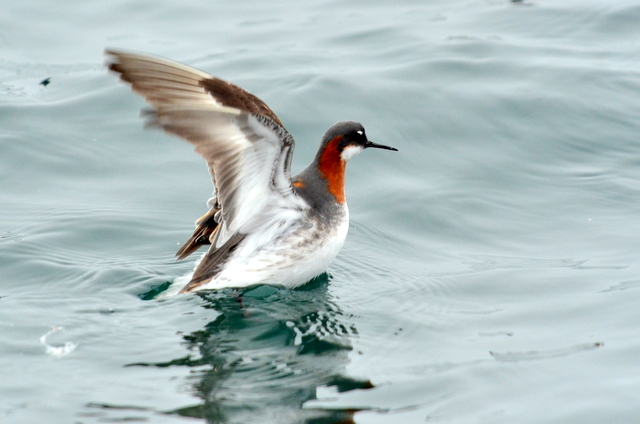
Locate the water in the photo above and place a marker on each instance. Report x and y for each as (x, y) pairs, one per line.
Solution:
(491, 268)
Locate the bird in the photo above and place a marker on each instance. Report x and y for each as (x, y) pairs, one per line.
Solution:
(263, 225)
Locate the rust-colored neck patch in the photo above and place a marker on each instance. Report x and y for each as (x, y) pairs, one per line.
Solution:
(331, 168)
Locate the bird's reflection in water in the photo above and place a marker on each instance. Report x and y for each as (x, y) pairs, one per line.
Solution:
(266, 353)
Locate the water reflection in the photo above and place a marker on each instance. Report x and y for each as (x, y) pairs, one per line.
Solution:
(265, 354)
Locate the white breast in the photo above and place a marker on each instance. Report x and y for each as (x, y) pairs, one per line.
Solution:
(285, 255)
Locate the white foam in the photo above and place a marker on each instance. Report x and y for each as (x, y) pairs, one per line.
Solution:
(57, 351)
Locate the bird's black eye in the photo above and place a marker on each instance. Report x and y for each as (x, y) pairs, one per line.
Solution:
(359, 136)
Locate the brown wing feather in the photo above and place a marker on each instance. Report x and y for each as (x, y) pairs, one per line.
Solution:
(231, 95)
(206, 228)
(163, 82)
(212, 263)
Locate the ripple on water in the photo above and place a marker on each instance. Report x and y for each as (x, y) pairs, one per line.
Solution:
(265, 353)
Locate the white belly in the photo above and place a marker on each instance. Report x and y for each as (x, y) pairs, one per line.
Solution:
(301, 255)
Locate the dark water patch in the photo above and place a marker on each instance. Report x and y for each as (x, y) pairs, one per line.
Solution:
(154, 291)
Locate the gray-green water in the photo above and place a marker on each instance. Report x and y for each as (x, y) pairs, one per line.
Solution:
(491, 270)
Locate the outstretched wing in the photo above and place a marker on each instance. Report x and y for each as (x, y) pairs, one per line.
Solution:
(243, 142)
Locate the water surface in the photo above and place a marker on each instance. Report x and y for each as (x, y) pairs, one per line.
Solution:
(490, 273)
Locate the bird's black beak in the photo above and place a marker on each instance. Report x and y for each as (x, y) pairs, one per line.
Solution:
(379, 146)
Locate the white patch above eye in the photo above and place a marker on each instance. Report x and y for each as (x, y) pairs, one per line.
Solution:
(360, 132)
(350, 151)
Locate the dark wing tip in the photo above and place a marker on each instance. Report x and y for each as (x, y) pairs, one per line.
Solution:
(112, 62)
(202, 235)
(211, 263)
(199, 238)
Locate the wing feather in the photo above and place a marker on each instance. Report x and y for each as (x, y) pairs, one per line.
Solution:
(206, 228)
(247, 149)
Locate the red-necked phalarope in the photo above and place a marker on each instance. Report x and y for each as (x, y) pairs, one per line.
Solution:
(264, 227)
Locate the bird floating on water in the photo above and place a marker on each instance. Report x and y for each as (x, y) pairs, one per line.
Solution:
(263, 226)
